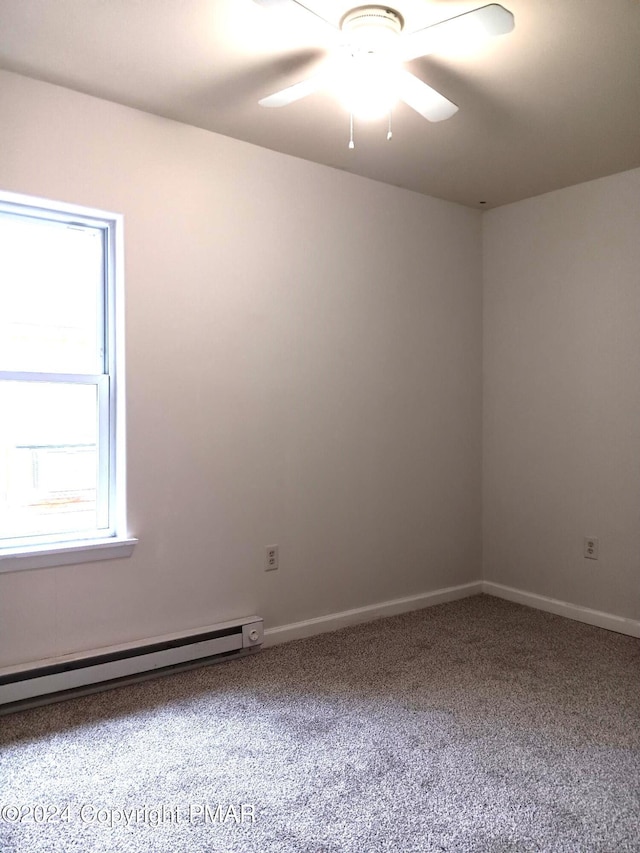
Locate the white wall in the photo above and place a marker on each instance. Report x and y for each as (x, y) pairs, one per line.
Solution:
(304, 368)
(562, 394)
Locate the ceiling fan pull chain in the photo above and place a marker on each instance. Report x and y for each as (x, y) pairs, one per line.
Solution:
(389, 132)
(351, 142)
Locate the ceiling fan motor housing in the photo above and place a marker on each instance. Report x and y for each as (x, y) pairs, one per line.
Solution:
(371, 25)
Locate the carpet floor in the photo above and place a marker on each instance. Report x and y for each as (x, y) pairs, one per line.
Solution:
(478, 726)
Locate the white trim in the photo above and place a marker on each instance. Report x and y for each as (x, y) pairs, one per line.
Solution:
(65, 553)
(115, 357)
(69, 214)
(342, 619)
(620, 624)
(62, 378)
(334, 621)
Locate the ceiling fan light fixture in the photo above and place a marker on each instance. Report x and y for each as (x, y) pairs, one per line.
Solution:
(365, 82)
(367, 85)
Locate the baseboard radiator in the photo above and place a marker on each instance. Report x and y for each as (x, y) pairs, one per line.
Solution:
(60, 677)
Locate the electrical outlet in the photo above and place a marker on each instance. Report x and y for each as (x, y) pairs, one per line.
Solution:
(272, 559)
(591, 548)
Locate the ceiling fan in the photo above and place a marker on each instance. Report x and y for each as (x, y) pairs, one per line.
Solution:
(367, 71)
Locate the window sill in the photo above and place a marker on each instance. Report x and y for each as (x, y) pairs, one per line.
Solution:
(64, 554)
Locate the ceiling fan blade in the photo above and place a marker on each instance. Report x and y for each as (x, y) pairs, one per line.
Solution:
(284, 4)
(293, 93)
(423, 99)
(471, 27)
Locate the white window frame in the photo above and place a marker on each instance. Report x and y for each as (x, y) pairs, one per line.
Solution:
(113, 541)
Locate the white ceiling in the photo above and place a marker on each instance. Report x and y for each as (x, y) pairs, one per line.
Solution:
(554, 103)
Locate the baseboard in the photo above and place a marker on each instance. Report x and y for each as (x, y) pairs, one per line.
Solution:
(631, 627)
(334, 621)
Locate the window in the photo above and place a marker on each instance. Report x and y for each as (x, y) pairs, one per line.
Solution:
(61, 385)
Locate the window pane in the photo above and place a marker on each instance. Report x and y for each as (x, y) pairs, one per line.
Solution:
(48, 458)
(51, 284)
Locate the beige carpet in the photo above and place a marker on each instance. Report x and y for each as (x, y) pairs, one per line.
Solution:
(478, 725)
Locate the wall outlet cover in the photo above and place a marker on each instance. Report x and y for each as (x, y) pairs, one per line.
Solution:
(272, 558)
(591, 548)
